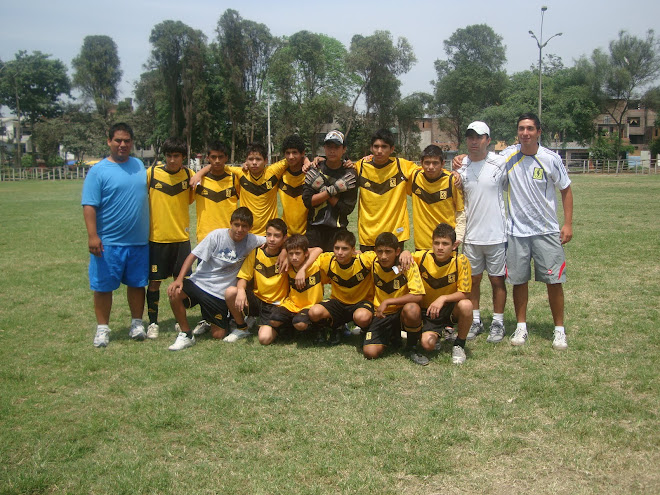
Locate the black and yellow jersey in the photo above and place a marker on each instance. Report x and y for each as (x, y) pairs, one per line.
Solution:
(382, 205)
(312, 293)
(434, 202)
(444, 278)
(216, 199)
(350, 283)
(270, 285)
(392, 282)
(294, 212)
(259, 194)
(169, 198)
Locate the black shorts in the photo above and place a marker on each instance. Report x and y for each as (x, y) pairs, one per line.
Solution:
(364, 248)
(322, 236)
(214, 309)
(341, 313)
(381, 329)
(166, 259)
(257, 307)
(289, 318)
(437, 325)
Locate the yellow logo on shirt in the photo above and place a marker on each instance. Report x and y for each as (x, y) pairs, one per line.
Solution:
(269, 184)
(443, 194)
(451, 278)
(360, 277)
(154, 268)
(393, 182)
(184, 184)
(396, 285)
(538, 173)
(367, 336)
(227, 193)
(283, 187)
(418, 191)
(260, 266)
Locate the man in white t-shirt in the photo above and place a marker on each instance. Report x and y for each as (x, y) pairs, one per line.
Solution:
(483, 177)
(533, 174)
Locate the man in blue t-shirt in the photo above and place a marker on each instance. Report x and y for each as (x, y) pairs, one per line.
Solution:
(116, 212)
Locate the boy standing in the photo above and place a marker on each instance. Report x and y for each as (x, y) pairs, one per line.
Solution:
(220, 255)
(290, 187)
(447, 283)
(435, 198)
(169, 240)
(329, 193)
(397, 294)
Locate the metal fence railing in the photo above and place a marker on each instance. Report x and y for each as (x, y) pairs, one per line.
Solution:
(42, 173)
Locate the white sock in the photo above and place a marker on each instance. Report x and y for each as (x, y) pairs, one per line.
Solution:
(498, 317)
(102, 327)
(522, 326)
(476, 316)
(560, 330)
(136, 321)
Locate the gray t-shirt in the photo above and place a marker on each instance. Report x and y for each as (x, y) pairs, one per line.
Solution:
(220, 259)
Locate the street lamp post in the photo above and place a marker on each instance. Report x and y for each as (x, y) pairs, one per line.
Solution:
(541, 46)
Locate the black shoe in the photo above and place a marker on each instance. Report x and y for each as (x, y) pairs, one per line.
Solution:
(319, 338)
(417, 358)
(335, 336)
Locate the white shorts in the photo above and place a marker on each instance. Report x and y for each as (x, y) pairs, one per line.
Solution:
(491, 258)
(547, 253)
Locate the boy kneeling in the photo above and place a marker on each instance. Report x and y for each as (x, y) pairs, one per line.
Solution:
(447, 282)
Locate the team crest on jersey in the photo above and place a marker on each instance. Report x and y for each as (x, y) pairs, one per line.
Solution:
(396, 285)
(184, 184)
(228, 193)
(443, 194)
(312, 280)
(393, 182)
(451, 278)
(269, 184)
(538, 173)
(154, 268)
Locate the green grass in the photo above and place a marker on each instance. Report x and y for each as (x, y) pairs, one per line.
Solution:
(295, 419)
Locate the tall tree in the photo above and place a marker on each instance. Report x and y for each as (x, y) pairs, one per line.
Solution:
(408, 112)
(472, 78)
(97, 73)
(31, 86)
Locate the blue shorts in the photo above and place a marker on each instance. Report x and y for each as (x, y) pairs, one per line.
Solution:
(128, 265)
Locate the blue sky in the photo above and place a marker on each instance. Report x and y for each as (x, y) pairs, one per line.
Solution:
(58, 28)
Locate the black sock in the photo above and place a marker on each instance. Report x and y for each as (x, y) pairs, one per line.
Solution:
(460, 342)
(411, 342)
(153, 298)
(242, 326)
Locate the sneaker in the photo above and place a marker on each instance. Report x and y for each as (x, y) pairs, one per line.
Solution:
(458, 355)
(201, 328)
(496, 333)
(182, 342)
(475, 329)
(236, 335)
(519, 337)
(559, 343)
(152, 331)
(449, 334)
(102, 337)
(418, 358)
(137, 332)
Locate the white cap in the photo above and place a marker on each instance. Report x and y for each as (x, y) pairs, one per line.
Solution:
(334, 137)
(478, 127)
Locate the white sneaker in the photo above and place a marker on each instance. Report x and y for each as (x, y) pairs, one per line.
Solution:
(236, 335)
(201, 328)
(475, 329)
(559, 343)
(496, 333)
(152, 331)
(182, 342)
(102, 337)
(458, 355)
(519, 337)
(137, 332)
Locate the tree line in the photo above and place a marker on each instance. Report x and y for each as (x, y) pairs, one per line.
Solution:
(226, 87)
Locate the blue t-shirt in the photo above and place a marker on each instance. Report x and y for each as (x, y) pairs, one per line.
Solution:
(118, 191)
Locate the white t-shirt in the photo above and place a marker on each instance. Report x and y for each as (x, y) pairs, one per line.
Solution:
(483, 186)
(220, 260)
(532, 199)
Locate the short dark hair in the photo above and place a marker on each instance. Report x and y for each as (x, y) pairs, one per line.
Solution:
(530, 116)
(433, 151)
(293, 142)
(346, 236)
(296, 241)
(175, 145)
(120, 126)
(384, 135)
(387, 239)
(242, 214)
(278, 224)
(258, 148)
(446, 231)
(217, 146)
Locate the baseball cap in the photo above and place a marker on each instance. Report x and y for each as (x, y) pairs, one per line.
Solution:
(478, 127)
(334, 137)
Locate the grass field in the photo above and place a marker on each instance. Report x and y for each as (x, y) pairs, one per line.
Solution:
(296, 419)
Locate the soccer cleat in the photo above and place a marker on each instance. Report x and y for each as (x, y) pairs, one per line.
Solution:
(182, 342)
(519, 337)
(201, 328)
(458, 355)
(496, 333)
(418, 358)
(236, 335)
(475, 329)
(102, 337)
(137, 332)
(152, 331)
(559, 343)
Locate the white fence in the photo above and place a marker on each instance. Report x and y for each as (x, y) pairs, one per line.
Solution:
(40, 173)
